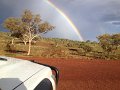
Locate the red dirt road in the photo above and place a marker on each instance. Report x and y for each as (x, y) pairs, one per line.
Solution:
(85, 74)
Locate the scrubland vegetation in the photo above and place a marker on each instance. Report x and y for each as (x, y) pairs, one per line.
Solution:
(106, 48)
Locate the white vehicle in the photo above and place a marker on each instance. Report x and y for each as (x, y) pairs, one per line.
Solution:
(18, 74)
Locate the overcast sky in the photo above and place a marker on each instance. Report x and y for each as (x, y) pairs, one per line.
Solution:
(91, 17)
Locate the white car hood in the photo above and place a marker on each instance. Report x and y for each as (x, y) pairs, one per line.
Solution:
(14, 72)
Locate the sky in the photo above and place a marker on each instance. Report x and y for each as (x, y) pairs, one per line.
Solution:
(91, 17)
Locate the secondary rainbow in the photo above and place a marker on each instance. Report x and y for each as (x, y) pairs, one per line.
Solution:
(67, 18)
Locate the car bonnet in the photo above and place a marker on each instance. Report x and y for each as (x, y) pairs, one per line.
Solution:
(15, 71)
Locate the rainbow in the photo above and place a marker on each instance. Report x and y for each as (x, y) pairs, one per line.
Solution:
(67, 18)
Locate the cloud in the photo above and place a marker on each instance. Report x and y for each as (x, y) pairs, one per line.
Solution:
(91, 17)
(13, 8)
(114, 22)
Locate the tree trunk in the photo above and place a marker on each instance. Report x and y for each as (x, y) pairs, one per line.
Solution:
(25, 42)
(12, 41)
(29, 48)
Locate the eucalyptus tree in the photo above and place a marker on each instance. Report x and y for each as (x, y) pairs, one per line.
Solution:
(27, 27)
(12, 24)
(105, 42)
(116, 38)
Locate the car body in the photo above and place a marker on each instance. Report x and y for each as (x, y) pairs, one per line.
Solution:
(18, 74)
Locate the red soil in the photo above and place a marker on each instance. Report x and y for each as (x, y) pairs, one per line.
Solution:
(85, 74)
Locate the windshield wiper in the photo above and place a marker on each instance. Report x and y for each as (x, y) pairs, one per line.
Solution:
(3, 59)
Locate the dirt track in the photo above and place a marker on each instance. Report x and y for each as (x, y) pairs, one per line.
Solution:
(86, 74)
